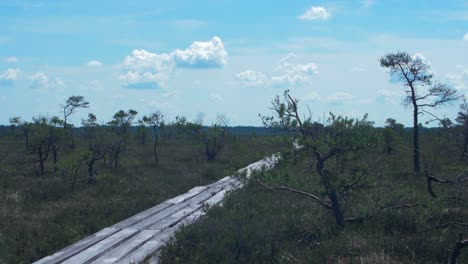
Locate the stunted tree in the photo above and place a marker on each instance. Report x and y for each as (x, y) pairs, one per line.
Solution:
(55, 138)
(120, 124)
(391, 131)
(97, 147)
(24, 126)
(40, 141)
(155, 120)
(213, 137)
(69, 108)
(338, 151)
(422, 92)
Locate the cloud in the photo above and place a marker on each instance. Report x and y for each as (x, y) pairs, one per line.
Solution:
(420, 57)
(340, 97)
(145, 70)
(315, 13)
(465, 37)
(291, 74)
(9, 76)
(459, 80)
(40, 81)
(94, 64)
(251, 78)
(216, 97)
(11, 59)
(209, 54)
(311, 96)
(287, 74)
(389, 96)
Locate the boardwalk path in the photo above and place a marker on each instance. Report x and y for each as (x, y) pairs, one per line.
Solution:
(139, 237)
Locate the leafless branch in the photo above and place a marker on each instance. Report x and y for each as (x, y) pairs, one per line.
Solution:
(284, 188)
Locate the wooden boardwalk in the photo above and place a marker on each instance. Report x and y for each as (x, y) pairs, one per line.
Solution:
(138, 238)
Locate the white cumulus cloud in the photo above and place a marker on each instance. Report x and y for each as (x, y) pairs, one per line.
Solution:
(291, 74)
(287, 74)
(459, 80)
(251, 78)
(209, 54)
(94, 64)
(315, 13)
(9, 76)
(465, 37)
(41, 81)
(146, 70)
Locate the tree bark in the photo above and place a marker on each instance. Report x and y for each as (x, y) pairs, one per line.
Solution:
(155, 150)
(416, 164)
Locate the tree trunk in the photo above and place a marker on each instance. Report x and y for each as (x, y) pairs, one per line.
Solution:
(465, 144)
(116, 158)
(155, 150)
(41, 162)
(337, 210)
(91, 174)
(417, 166)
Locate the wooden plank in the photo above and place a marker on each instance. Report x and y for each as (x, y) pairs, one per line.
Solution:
(219, 182)
(159, 216)
(149, 248)
(184, 197)
(128, 247)
(77, 247)
(99, 249)
(197, 199)
(142, 215)
(175, 218)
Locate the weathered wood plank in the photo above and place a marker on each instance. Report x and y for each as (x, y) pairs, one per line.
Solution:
(128, 240)
(175, 218)
(149, 248)
(159, 216)
(197, 200)
(127, 248)
(77, 247)
(184, 197)
(90, 254)
(142, 215)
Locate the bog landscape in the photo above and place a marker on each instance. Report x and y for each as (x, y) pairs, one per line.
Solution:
(325, 132)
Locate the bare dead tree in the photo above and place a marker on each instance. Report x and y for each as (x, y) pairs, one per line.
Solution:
(422, 91)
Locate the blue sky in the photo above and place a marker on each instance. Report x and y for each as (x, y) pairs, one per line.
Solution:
(222, 56)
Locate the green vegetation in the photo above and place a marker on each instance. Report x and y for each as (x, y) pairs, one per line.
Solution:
(343, 191)
(49, 200)
(349, 194)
